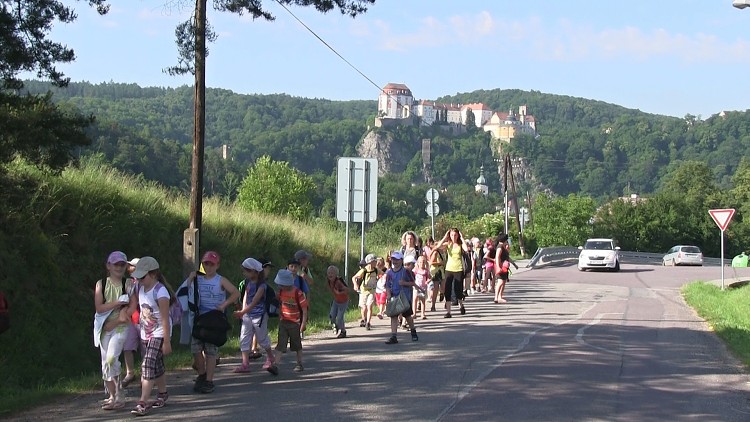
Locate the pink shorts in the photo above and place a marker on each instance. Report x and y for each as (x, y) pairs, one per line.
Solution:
(380, 298)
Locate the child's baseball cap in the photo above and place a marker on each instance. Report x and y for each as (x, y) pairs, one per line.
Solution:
(116, 257)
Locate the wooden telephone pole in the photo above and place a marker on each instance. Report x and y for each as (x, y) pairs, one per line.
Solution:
(191, 236)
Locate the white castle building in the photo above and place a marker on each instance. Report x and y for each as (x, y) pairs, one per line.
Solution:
(396, 105)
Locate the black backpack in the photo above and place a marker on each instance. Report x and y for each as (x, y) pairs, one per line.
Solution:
(271, 301)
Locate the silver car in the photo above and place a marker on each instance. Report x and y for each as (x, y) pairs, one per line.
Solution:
(683, 255)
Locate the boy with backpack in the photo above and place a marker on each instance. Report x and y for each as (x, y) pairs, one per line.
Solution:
(365, 282)
(254, 315)
(292, 317)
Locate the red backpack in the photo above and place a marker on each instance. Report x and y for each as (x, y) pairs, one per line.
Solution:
(4, 313)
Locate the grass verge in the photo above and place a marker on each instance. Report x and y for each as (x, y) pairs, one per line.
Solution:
(727, 312)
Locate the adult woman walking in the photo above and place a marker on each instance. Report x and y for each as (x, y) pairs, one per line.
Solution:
(454, 270)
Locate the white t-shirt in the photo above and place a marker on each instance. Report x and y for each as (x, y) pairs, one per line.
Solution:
(150, 316)
(380, 287)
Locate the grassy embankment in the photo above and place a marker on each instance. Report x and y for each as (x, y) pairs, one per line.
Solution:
(55, 234)
(727, 312)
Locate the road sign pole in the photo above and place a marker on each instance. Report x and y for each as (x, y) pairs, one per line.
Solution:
(432, 214)
(722, 260)
(365, 203)
(349, 211)
(722, 217)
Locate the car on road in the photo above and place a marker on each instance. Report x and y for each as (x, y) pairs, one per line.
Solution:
(599, 253)
(683, 255)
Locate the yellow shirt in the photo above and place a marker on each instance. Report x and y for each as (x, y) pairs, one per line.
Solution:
(454, 264)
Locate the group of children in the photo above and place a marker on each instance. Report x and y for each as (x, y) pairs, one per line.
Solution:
(144, 299)
(450, 269)
(137, 308)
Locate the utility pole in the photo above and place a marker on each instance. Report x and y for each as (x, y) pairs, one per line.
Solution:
(508, 177)
(191, 245)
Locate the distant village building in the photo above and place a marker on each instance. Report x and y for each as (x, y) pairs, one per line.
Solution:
(396, 106)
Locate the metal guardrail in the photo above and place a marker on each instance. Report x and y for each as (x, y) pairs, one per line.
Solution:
(560, 254)
(555, 254)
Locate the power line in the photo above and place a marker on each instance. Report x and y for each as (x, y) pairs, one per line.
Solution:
(336, 52)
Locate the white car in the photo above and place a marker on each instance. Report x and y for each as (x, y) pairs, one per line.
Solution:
(599, 253)
(683, 255)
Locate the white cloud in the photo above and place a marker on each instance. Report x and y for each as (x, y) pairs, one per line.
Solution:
(564, 40)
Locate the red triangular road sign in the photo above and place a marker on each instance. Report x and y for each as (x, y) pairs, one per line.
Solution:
(722, 217)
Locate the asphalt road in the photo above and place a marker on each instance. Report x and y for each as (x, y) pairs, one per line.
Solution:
(568, 346)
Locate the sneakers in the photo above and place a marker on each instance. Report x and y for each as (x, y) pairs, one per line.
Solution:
(199, 383)
(298, 368)
(161, 400)
(392, 340)
(368, 327)
(362, 323)
(414, 336)
(256, 355)
(207, 387)
(342, 334)
(140, 409)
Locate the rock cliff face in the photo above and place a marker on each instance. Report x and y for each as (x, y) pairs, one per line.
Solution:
(392, 154)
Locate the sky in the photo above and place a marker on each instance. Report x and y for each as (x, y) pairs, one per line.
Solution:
(670, 57)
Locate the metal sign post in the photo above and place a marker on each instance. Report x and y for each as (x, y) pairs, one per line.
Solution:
(722, 217)
(432, 207)
(356, 197)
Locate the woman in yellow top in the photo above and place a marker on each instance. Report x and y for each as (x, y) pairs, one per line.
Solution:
(454, 269)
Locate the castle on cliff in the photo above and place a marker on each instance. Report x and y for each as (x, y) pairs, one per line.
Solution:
(396, 106)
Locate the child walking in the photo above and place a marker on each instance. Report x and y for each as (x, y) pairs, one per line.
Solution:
(380, 292)
(421, 279)
(254, 317)
(292, 317)
(111, 301)
(398, 278)
(340, 302)
(156, 331)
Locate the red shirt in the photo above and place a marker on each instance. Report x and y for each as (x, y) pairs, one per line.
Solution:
(339, 290)
(293, 302)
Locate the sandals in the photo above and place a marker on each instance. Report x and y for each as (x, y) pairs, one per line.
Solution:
(140, 409)
(113, 405)
(242, 369)
(161, 400)
(127, 380)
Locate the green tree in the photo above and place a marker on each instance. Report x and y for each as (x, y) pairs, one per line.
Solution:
(33, 126)
(275, 188)
(562, 221)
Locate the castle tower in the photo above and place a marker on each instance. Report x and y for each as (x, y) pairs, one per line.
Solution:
(481, 185)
